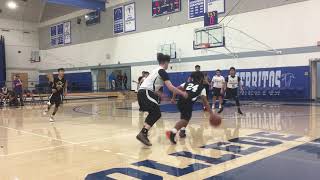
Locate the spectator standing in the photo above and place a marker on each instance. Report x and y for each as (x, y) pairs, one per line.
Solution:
(125, 81)
(17, 88)
(112, 80)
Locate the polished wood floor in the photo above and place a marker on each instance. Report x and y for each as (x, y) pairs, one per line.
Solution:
(91, 136)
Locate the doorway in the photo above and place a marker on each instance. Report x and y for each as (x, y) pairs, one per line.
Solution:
(120, 73)
(23, 78)
(315, 80)
(102, 80)
(318, 80)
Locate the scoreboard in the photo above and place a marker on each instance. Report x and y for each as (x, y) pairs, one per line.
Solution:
(163, 7)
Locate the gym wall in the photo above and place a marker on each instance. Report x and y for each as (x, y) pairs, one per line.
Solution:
(277, 25)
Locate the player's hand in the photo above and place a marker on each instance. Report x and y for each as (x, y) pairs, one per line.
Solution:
(54, 90)
(173, 101)
(222, 91)
(185, 95)
(241, 90)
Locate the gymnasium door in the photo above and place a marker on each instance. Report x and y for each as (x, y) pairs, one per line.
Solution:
(318, 80)
(23, 77)
(122, 71)
(102, 80)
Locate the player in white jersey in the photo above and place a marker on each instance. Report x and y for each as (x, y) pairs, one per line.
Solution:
(217, 85)
(232, 85)
(149, 95)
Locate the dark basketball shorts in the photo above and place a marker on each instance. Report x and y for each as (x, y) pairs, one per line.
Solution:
(56, 99)
(231, 93)
(216, 92)
(185, 109)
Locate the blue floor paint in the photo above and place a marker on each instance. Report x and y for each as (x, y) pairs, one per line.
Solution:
(316, 140)
(299, 163)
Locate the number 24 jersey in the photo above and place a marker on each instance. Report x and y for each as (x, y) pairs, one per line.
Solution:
(194, 90)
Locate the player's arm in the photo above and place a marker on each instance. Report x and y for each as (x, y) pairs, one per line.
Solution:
(240, 84)
(65, 89)
(212, 83)
(165, 77)
(175, 90)
(224, 85)
(205, 101)
(20, 83)
(53, 87)
(173, 99)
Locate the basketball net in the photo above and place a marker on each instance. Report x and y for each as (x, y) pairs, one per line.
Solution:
(204, 48)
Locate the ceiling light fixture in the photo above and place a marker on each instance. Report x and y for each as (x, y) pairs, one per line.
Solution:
(12, 5)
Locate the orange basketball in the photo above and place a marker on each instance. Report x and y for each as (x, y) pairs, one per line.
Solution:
(215, 120)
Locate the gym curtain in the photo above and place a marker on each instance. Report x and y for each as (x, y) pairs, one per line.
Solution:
(2, 61)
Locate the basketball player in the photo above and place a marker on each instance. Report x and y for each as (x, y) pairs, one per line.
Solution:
(197, 68)
(195, 89)
(145, 74)
(149, 95)
(217, 85)
(59, 88)
(233, 83)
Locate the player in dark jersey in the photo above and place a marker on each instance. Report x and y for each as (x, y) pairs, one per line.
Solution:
(149, 95)
(59, 88)
(195, 89)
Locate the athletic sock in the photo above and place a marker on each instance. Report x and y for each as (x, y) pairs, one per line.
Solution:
(144, 130)
(174, 130)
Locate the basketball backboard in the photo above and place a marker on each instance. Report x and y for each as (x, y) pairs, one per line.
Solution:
(168, 49)
(209, 37)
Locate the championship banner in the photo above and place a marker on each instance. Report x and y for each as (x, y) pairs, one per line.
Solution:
(67, 32)
(196, 8)
(60, 34)
(118, 20)
(129, 17)
(216, 5)
(53, 35)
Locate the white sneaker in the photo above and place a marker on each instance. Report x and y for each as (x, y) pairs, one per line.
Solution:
(51, 119)
(48, 103)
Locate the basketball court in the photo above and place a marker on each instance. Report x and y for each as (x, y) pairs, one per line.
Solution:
(105, 49)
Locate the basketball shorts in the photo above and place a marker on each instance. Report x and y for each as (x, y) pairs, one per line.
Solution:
(148, 100)
(216, 92)
(56, 99)
(185, 109)
(231, 93)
